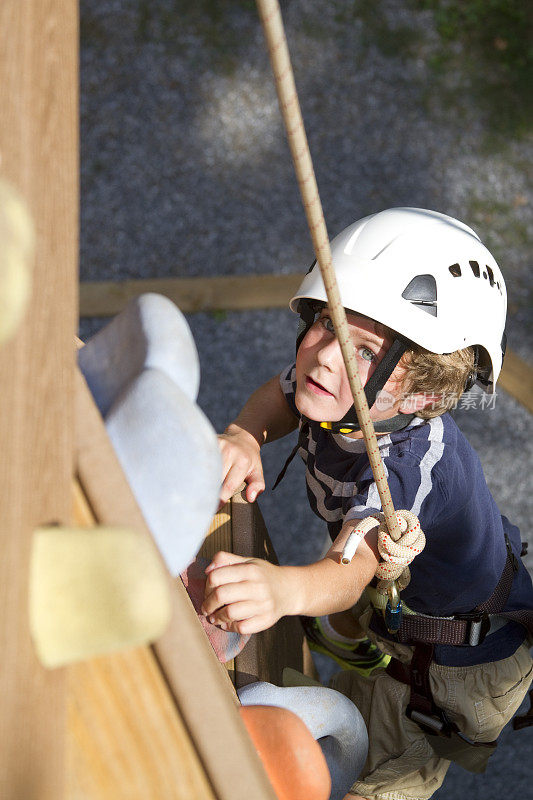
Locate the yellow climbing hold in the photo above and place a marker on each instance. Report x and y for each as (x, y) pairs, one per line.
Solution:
(16, 253)
(93, 591)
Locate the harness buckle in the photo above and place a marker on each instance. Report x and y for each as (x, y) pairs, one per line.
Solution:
(477, 628)
(436, 724)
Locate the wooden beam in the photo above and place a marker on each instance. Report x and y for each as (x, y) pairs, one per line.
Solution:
(39, 157)
(228, 292)
(516, 379)
(242, 292)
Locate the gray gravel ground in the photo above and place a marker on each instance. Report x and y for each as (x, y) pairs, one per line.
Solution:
(186, 172)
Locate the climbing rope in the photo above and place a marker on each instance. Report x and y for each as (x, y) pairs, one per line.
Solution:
(396, 555)
(270, 14)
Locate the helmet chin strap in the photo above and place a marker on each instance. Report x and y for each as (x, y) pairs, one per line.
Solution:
(390, 425)
(349, 423)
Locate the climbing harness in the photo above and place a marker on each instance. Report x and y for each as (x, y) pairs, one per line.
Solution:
(443, 735)
(467, 630)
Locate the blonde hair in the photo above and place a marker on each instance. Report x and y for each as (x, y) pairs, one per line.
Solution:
(443, 377)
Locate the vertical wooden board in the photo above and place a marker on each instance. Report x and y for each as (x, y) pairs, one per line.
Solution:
(284, 645)
(38, 156)
(125, 737)
(218, 536)
(199, 684)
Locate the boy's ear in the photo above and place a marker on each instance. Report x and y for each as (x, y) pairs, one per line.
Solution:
(416, 402)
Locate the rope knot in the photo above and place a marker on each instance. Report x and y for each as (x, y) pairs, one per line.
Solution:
(397, 555)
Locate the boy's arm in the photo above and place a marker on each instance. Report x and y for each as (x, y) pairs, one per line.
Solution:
(265, 417)
(250, 595)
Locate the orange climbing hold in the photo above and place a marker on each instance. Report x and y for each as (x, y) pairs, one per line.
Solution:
(291, 757)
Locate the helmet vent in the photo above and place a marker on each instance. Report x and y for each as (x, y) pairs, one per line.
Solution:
(455, 269)
(422, 292)
(475, 268)
(491, 276)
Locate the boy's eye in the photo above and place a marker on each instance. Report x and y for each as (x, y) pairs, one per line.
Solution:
(367, 354)
(328, 324)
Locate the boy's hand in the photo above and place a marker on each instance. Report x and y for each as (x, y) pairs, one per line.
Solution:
(245, 595)
(241, 462)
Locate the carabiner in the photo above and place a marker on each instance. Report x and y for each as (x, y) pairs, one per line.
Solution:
(393, 609)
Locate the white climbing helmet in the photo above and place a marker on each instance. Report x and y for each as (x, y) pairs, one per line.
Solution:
(426, 276)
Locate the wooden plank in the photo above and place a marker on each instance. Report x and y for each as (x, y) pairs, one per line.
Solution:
(126, 738)
(218, 536)
(284, 645)
(516, 378)
(199, 684)
(229, 292)
(38, 148)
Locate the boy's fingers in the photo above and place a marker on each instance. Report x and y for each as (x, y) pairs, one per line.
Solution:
(232, 480)
(253, 624)
(229, 594)
(220, 591)
(239, 466)
(224, 559)
(236, 612)
(256, 484)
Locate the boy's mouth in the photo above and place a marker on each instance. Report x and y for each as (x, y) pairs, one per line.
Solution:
(316, 387)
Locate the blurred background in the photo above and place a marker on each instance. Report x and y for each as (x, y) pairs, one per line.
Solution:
(185, 172)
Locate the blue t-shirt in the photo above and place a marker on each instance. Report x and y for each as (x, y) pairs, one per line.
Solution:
(432, 471)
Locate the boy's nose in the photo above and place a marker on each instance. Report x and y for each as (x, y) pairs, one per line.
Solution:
(328, 354)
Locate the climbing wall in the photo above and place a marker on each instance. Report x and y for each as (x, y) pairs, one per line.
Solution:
(158, 720)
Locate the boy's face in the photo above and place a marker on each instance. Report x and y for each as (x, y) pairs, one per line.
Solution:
(322, 389)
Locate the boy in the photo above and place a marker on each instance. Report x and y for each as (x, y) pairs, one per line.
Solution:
(426, 308)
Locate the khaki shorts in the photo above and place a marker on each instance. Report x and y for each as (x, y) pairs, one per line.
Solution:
(401, 764)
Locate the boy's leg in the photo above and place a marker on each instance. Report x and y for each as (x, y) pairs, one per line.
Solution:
(401, 764)
(347, 624)
(350, 652)
(343, 637)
